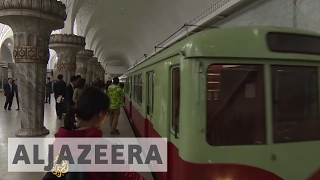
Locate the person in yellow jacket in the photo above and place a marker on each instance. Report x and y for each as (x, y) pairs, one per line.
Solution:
(116, 96)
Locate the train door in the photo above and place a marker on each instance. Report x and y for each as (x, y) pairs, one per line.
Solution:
(150, 99)
(173, 145)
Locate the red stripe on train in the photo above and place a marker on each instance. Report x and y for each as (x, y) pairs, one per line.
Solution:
(179, 169)
(315, 176)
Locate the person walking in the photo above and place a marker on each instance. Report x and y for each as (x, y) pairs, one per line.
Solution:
(9, 93)
(116, 95)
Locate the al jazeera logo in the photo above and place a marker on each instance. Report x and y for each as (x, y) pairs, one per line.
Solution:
(60, 166)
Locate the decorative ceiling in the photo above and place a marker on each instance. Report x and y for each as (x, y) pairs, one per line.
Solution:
(120, 32)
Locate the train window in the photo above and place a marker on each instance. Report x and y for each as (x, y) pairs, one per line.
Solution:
(138, 89)
(150, 95)
(127, 86)
(235, 105)
(175, 99)
(295, 104)
(293, 43)
(135, 89)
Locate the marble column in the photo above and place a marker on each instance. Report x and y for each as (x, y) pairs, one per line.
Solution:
(96, 68)
(102, 73)
(99, 71)
(90, 64)
(32, 23)
(94, 71)
(67, 47)
(13, 68)
(82, 60)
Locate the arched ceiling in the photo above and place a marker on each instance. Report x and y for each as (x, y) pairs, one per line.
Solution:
(7, 50)
(120, 31)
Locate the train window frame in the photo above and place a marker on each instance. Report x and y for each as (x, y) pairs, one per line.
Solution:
(127, 85)
(138, 89)
(298, 44)
(250, 90)
(293, 130)
(131, 90)
(135, 82)
(150, 107)
(175, 121)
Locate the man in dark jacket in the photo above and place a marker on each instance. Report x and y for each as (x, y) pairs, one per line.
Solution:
(59, 90)
(9, 93)
(70, 90)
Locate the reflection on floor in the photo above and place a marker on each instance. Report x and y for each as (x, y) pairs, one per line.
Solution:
(10, 124)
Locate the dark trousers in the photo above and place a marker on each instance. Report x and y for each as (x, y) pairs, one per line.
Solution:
(9, 100)
(59, 109)
(48, 98)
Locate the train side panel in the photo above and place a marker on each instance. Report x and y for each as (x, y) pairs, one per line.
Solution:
(158, 124)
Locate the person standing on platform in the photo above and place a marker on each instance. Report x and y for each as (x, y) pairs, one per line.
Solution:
(14, 83)
(121, 85)
(9, 93)
(70, 90)
(116, 95)
(79, 89)
(48, 91)
(59, 90)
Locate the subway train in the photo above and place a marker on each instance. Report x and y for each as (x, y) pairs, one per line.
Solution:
(236, 103)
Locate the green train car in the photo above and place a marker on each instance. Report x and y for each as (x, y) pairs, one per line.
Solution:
(234, 103)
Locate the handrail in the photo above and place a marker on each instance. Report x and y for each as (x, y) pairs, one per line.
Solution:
(184, 29)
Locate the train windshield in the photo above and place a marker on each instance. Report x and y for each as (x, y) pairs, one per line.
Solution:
(295, 104)
(235, 105)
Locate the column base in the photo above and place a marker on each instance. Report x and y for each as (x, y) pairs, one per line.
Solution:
(32, 132)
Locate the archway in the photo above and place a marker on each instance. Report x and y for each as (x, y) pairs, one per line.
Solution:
(7, 50)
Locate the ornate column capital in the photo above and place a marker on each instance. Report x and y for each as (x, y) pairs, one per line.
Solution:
(67, 46)
(12, 65)
(83, 57)
(85, 53)
(66, 66)
(31, 54)
(93, 60)
(43, 14)
(66, 43)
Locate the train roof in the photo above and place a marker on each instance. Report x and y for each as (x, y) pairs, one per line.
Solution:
(239, 42)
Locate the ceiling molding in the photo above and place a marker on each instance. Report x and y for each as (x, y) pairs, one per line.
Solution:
(84, 15)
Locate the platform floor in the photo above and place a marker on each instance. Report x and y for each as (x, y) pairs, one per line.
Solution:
(10, 124)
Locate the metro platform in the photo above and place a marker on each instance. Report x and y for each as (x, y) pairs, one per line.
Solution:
(10, 124)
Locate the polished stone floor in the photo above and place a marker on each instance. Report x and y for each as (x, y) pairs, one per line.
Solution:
(10, 124)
